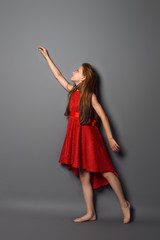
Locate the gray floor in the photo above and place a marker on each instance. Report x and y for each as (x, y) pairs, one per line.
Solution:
(22, 225)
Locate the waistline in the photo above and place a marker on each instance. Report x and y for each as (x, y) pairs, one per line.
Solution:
(76, 115)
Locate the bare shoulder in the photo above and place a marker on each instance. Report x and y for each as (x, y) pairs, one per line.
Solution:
(94, 99)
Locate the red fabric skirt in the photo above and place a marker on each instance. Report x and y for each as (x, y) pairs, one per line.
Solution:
(84, 148)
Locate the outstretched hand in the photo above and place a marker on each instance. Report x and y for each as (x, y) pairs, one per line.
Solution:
(113, 145)
(43, 51)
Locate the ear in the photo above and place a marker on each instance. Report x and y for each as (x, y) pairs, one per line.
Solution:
(83, 78)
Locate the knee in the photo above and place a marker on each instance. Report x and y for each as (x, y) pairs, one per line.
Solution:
(107, 174)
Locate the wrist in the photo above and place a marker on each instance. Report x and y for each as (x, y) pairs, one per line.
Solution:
(47, 57)
(110, 138)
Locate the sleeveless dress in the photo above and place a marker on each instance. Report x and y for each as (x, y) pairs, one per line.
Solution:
(84, 148)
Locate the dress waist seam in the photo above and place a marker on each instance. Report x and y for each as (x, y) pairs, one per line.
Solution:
(76, 115)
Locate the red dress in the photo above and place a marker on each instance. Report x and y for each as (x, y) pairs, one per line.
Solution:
(83, 147)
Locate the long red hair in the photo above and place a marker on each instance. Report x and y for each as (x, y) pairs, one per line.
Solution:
(87, 88)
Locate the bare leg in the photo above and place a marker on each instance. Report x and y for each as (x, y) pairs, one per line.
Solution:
(88, 197)
(116, 186)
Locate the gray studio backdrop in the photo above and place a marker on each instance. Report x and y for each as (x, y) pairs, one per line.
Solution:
(121, 40)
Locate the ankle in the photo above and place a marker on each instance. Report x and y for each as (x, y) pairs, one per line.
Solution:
(90, 212)
(125, 204)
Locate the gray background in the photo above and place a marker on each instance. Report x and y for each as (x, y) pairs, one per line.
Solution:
(120, 38)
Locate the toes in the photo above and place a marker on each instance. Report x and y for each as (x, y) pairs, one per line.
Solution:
(75, 220)
(126, 221)
(79, 220)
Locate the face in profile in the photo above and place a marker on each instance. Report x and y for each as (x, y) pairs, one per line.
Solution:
(78, 76)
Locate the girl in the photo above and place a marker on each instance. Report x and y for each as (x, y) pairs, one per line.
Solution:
(83, 150)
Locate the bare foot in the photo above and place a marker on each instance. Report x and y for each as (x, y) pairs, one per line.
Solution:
(126, 212)
(86, 217)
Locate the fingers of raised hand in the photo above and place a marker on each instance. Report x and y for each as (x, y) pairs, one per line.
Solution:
(42, 49)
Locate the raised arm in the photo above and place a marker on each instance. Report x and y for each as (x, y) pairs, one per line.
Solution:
(56, 72)
(98, 108)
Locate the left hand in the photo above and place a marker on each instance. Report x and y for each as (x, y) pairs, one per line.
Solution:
(113, 145)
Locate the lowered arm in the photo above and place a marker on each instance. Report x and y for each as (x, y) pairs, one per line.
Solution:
(99, 110)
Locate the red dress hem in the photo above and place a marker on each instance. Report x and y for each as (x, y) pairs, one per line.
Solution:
(97, 180)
